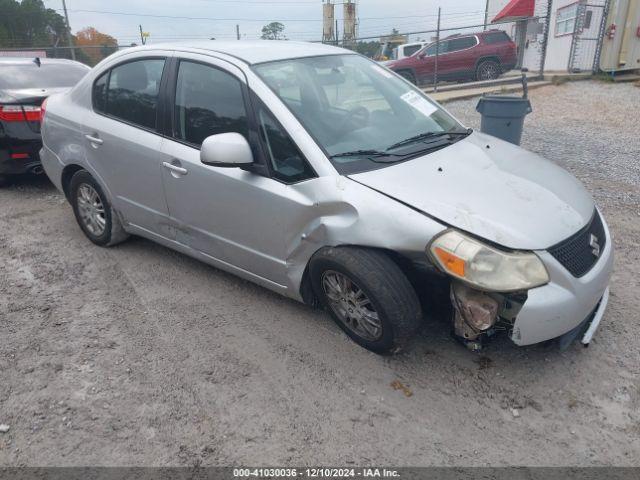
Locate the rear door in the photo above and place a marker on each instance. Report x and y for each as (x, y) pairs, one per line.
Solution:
(459, 58)
(124, 142)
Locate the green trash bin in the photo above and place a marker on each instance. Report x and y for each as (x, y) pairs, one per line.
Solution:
(503, 116)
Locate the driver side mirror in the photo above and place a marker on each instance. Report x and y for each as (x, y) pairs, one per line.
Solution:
(226, 150)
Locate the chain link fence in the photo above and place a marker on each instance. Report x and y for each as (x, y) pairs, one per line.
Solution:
(549, 37)
(447, 53)
(586, 42)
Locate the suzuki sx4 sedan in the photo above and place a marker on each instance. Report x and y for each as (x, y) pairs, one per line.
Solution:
(323, 176)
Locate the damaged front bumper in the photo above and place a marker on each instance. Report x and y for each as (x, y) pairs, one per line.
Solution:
(565, 302)
(588, 327)
(564, 308)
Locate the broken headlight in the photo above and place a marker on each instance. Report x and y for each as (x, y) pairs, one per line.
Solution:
(486, 267)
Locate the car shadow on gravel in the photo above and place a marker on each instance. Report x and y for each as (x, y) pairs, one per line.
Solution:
(29, 181)
(434, 340)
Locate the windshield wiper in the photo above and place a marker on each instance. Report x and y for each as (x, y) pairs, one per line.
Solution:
(365, 153)
(426, 135)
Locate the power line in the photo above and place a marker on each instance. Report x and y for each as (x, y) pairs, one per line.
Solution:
(266, 19)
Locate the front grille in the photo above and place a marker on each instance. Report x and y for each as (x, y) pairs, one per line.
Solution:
(577, 253)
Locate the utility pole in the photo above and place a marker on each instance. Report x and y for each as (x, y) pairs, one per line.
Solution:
(435, 73)
(237, 32)
(69, 39)
(486, 15)
(142, 39)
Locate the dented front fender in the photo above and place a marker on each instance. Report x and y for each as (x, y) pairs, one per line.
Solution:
(343, 212)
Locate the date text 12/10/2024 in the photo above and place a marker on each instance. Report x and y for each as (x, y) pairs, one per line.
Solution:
(315, 473)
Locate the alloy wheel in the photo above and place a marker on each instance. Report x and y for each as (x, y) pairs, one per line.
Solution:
(351, 305)
(91, 209)
(488, 71)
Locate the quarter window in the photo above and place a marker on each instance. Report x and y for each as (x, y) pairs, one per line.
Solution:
(287, 163)
(100, 93)
(208, 101)
(497, 37)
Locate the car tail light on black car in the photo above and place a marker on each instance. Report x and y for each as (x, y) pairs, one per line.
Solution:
(43, 109)
(20, 113)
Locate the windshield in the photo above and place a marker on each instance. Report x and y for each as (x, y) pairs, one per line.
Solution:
(18, 77)
(362, 115)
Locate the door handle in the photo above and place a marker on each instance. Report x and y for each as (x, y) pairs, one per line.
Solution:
(96, 140)
(175, 168)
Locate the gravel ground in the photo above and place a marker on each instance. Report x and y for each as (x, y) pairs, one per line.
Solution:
(138, 355)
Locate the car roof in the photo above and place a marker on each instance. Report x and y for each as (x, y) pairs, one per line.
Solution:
(474, 34)
(254, 51)
(43, 61)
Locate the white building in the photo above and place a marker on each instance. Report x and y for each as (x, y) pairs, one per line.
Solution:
(574, 28)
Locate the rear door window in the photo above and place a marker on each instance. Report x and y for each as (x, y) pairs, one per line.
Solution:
(132, 92)
(457, 44)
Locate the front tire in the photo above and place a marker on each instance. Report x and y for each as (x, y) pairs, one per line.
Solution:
(368, 296)
(4, 181)
(93, 212)
(407, 75)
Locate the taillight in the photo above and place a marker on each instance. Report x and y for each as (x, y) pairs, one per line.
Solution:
(20, 113)
(43, 109)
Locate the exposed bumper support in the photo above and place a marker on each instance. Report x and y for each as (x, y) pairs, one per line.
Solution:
(595, 323)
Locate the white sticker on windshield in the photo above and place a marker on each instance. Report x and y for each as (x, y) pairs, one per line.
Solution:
(419, 103)
(382, 71)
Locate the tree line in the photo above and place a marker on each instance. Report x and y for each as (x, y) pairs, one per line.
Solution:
(30, 25)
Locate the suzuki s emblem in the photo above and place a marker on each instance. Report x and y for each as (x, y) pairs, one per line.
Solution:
(595, 246)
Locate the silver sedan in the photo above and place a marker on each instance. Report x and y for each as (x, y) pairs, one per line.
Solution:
(323, 176)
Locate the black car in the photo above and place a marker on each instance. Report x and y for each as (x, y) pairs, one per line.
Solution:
(24, 84)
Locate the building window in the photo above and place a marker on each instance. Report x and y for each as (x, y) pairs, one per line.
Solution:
(566, 19)
(587, 19)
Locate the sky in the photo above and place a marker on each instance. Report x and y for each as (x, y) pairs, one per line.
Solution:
(302, 18)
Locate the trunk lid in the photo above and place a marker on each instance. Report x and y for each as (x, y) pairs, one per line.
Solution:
(27, 97)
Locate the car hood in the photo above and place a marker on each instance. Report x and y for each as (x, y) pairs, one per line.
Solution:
(492, 189)
(28, 95)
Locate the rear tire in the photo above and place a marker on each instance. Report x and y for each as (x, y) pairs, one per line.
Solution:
(371, 290)
(407, 75)
(95, 215)
(4, 181)
(488, 70)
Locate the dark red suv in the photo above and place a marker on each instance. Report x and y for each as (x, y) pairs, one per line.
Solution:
(476, 56)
